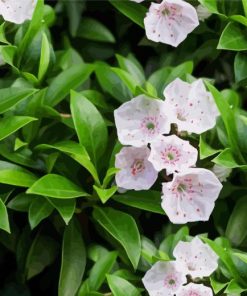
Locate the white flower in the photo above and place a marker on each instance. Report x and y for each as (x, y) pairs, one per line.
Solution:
(221, 172)
(170, 21)
(202, 12)
(17, 11)
(141, 120)
(163, 279)
(172, 153)
(190, 196)
(137, 1)
(136, 172)
(195, 290)
(195, 258)
(190, 106)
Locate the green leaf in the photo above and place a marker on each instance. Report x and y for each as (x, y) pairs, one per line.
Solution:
(145, 200)
(205, 149)
(12, 174)
(13, 95)
(241, 256)
(4, 219)
(75, 151)
(69, 79)
(121, 287)
(123, 228)
(44, 57)
(129, 66)
(56, 186)
(92, 29)
(227, 159)
(134, 11)
(65, 207)
(2, 34)
(100, 269)
(245, 7)
(240, 64)
(73, 260)
(90, 126)
(105, 194)
(236, 230)
(234, 287)
(233, 38)
(11, 124)
(126, 78)
(217, 286)
(211, 5)
(21, 202)
(41, 254)
(39, 209)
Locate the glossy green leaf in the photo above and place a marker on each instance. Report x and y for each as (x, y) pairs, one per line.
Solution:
(121, 287)
(44, 57)
(56, 186)
(217, 286)
(21, 202)
(240, 64)
(100, 269)
(13, 95)
(65, 207)
(236, 229)
(4, 219)
(41, 254)
(12, 174)
(123, 228)
(205, 149)
(145, 200)
(39, 209)
(69, 79)
(136, 12)
(94, 30)
(233, 38)
(9, 125)
(73, 260)
(105, 194)
(90, 125)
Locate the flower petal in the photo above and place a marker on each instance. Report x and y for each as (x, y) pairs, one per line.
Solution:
(195, 290)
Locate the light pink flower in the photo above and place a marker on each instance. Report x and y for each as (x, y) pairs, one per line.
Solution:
(195, 290)
(141, 120)
(172, 153)
(136, 172)
(190, 196)
(170, 21)
(137, 1)
(17, 11)
(195, 258)
(190, 106)
(221, 172)
(163, 279)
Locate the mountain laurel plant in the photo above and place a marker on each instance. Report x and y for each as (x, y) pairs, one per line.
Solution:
(123, 148)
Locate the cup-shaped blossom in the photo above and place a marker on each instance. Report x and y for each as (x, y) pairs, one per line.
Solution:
(195, 258)
(141, 120)
(170, 21)
(163, 279)
(172, 153)
(191, 195)
(136, 171)
(195, 290)
(17, 11)
(190, 106)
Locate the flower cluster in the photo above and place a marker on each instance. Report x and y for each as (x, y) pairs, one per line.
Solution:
(17, 11)
(170, 21)
(194, 259)
(145, 124)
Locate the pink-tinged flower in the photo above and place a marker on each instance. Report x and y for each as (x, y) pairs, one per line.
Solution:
(141, 120)
(195, 258)
(190, 196)
(170, 21)
(163, 279)
(137, 1)
(190, 106)
(136, 172)
(172, 153)
(17, 11)
(195, 290)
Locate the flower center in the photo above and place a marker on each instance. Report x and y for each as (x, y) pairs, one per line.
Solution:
(181, 115)
(181, 187)
(137, 167)
(170, 155)
(170, 281)
(166, 11)
(150, 125)
(192, 293)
